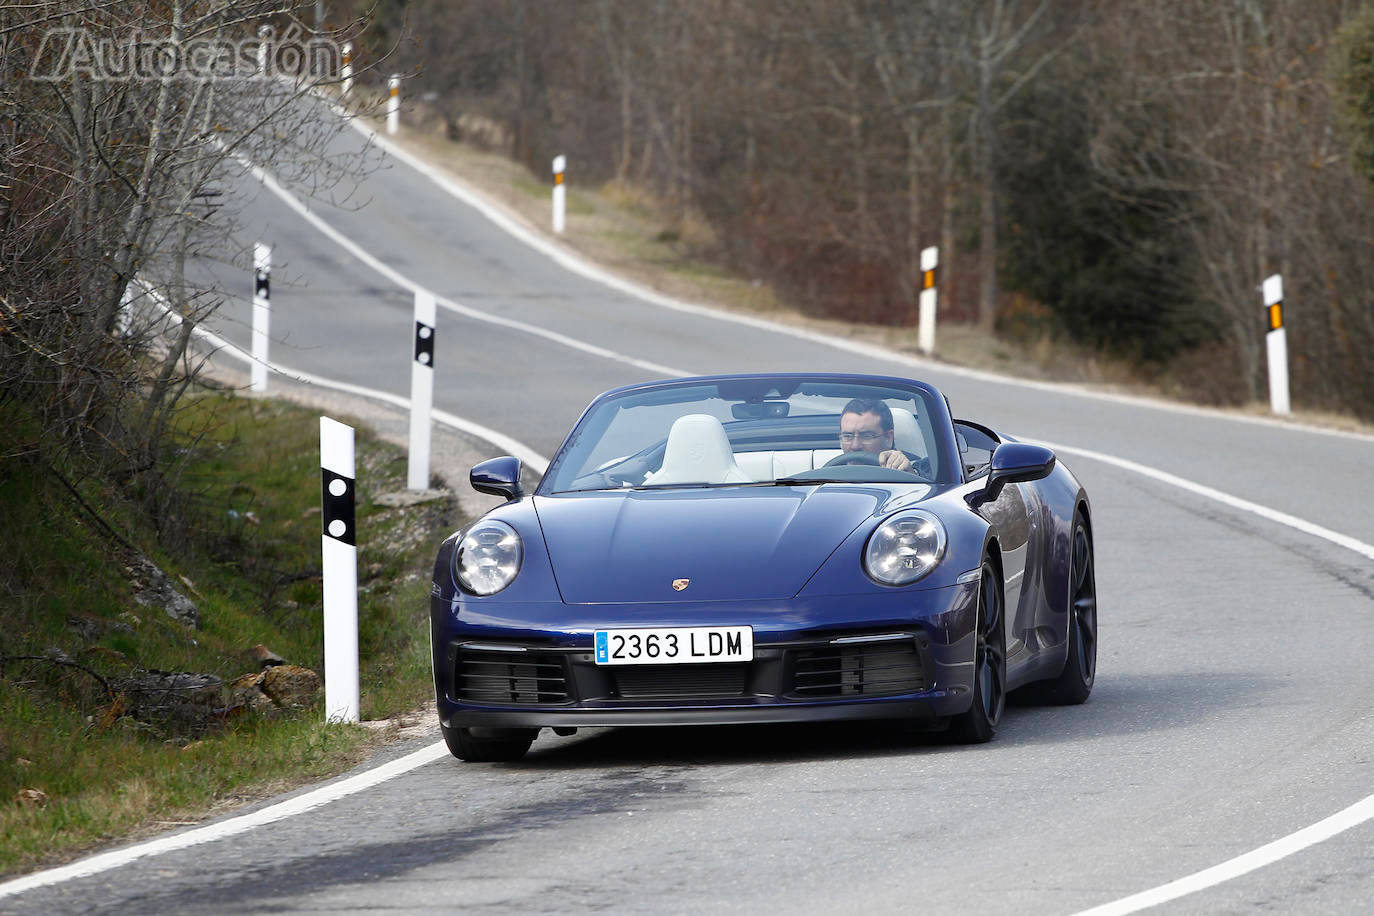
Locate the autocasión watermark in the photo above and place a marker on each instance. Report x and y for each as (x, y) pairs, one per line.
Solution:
(68, 53)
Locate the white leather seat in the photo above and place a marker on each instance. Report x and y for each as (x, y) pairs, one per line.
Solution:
(757, 465)
(906, 434)
(770, 465)
(698, 451)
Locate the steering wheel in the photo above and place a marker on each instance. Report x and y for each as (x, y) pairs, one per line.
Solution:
(846, 458)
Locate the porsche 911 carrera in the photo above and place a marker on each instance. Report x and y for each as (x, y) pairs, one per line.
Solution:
(759, 549)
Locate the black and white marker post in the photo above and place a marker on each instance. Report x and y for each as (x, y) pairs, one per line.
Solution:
(925, 322)
(1276, 342)
(262, 312)
(421, 391)
(560, 192)
(339, 553)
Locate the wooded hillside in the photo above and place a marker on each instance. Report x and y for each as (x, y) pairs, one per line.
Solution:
(1123, 173)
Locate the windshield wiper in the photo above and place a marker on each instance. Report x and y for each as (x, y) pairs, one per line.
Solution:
(682, 486)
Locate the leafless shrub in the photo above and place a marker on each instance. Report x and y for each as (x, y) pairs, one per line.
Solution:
(120, 125)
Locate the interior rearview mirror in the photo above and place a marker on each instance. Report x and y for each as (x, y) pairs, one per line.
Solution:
(760, 410)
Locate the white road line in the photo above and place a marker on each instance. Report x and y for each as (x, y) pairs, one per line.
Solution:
(575, 263)
(230, 827)
(1355, 815)
(395, 276)
(528, 456)
(1325, 829)
(1235, 502)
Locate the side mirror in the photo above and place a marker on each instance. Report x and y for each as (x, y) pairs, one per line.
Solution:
(497, 476)
(1013, 462)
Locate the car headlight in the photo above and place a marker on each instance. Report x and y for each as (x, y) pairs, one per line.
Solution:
(905, 548)
(488, 557)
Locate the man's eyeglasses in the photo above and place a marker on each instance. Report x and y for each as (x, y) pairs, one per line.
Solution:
(865, 436)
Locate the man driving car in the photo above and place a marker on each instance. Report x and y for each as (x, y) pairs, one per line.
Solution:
(866, 426)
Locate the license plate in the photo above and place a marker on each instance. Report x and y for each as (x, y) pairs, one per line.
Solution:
(674, 645)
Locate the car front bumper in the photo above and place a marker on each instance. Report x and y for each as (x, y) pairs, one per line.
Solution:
(905, 655)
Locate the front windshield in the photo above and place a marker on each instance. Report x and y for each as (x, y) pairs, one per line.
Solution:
(752, 432)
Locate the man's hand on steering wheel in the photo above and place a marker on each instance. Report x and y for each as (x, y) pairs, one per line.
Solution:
(893, 458)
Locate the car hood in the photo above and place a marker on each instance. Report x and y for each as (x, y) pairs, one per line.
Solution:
(730, 544)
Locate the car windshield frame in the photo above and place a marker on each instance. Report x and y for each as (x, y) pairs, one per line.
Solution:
(573, 460)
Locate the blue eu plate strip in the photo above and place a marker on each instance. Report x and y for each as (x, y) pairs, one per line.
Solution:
(603, 652)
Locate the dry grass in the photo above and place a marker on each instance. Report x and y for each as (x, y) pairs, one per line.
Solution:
(74, 771)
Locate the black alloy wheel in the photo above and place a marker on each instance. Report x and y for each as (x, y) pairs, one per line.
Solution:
(1075, 683)
(979, 724)
(488, 745)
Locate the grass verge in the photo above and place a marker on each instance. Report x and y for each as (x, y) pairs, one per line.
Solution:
(78, 766)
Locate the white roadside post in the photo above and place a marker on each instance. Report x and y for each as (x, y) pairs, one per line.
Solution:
(925, 327)
(560, 162)
(264, 40)
(339, 555)
(346, 71)
(1276, 342)
(421, 391)
(124, 321)
(262, 312)
(393, 103)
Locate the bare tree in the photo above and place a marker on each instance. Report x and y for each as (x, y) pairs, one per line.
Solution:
(122, 120)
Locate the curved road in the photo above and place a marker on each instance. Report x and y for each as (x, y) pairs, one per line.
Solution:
(1231, 709)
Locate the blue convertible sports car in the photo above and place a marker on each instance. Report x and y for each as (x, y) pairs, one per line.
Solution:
(765, 548)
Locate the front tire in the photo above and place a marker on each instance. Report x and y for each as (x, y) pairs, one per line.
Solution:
(979, 724)
(488, 745)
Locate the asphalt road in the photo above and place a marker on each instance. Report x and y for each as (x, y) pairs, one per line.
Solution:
(1231, 708)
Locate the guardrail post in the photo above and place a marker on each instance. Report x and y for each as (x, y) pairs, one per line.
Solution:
(339, 556)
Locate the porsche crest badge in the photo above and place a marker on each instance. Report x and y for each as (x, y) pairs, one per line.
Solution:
(680, 584)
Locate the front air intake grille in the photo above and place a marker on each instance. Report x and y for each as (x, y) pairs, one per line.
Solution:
(520, 678)
(866, 669)
(681, 682)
